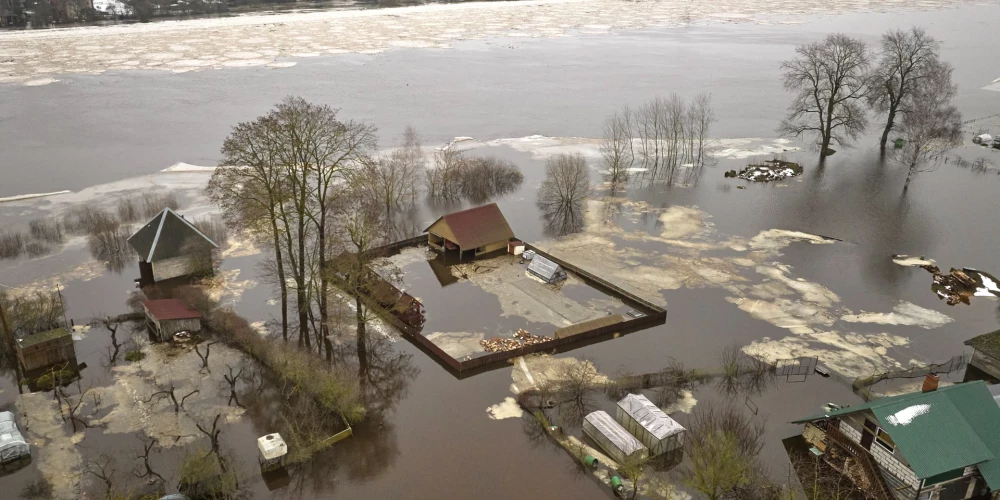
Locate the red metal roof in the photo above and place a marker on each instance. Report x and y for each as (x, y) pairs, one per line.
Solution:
(478, 226)
(165, 309)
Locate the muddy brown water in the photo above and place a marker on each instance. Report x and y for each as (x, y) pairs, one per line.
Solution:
(437, 441)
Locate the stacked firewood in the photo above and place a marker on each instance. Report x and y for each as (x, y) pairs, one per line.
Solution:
(521, 338)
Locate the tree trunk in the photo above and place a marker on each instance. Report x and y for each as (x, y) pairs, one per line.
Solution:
(909, 175)
(281, 279)
(362, 336)
(888, 127)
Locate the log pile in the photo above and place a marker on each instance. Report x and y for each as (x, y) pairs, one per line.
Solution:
(521, 338)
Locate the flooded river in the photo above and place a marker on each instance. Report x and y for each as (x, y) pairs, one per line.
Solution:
(97, 134)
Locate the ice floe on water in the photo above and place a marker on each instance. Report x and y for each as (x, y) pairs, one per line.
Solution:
(994, 85)
(905, 313)
(912, 261)
(30, 196)
(223, 41)
(507, 409)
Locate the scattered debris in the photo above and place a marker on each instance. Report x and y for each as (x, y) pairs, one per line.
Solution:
(960, 284)
(182, 337)
(769, 170)
(521, 338)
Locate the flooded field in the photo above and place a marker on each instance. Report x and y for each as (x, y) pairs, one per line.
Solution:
(807, 266)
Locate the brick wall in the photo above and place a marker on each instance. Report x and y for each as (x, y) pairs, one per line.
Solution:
(893, 466)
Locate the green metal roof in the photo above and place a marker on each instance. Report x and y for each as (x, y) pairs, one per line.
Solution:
(987, 343)
(940, 431)
(40, 337)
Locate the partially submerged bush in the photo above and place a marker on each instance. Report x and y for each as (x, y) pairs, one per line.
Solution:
(214, 228)
(296, 368)
(205, 475)
(46, 230)
(128, 208)
(154, 203)
(135, 355)
(36, 249)
(477, 179)
(54, 378)
(11, 245)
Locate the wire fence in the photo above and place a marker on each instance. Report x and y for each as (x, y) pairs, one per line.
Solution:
(862, 385)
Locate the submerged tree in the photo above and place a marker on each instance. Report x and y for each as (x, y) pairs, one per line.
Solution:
(830, 79)
(722, 445)
(931, 124)
(906, 59)
(563, 192)
(617, 151)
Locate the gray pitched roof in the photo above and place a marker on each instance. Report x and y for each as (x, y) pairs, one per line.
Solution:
(166, 236)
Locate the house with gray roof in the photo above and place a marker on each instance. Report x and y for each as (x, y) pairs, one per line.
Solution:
(169, 247)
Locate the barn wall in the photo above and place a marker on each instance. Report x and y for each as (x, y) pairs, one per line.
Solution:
(492, 247)
(171, 326)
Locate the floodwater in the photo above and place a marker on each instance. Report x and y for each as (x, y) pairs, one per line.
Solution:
(437, 440)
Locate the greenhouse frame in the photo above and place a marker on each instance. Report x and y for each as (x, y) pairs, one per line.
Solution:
(612, 437)
(548, 271)
(647, 422)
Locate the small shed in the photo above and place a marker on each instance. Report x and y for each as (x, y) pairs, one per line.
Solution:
(515, 247)
(546, 270)
(612, 437)
(475, 231)
(272, 450)
(12, 443)
(985, 361)
(169, 246)
(46, 349)
(165, 317)
(647, 422)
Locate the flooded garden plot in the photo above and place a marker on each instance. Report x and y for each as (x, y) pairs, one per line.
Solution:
(515, 308)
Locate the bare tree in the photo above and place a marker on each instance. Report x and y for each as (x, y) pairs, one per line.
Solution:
(906, 58)
(616, 145)
(213, 435)
(830, 79)
(566, 184)
(111, 325)
(148, 445)
(204, 358)
(104, 469)
(232, 379)
(171, 392)
(931, 124)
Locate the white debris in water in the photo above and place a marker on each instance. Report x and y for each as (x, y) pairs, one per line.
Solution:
(30, 196)
(904, 313)
(994, 85)
(776, 239)
(681, 222)
(989, 288)
(912, 261)
(850, 354)
(906, 415)
(507, 409)
(743, 148)
(684, 404)
(38, 82)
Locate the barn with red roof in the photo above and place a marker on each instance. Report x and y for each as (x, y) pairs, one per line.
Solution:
(470, 233)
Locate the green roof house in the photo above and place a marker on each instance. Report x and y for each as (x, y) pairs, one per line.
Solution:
(941, 443)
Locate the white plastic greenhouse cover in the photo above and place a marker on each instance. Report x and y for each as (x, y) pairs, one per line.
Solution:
(12, 443)
(615, 433)
(650, 416)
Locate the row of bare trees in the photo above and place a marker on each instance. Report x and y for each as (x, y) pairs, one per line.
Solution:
(838, 80)
(660, 135)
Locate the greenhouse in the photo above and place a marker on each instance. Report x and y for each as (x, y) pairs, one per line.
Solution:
(548, 271)
(647, 422)
(12, 444)
(612, 438)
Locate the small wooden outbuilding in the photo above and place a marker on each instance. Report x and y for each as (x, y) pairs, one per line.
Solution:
(169, 247)
(46, 349)
(165, 317)
(470, 233)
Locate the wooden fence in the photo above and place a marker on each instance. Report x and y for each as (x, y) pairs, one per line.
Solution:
(652, 315)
